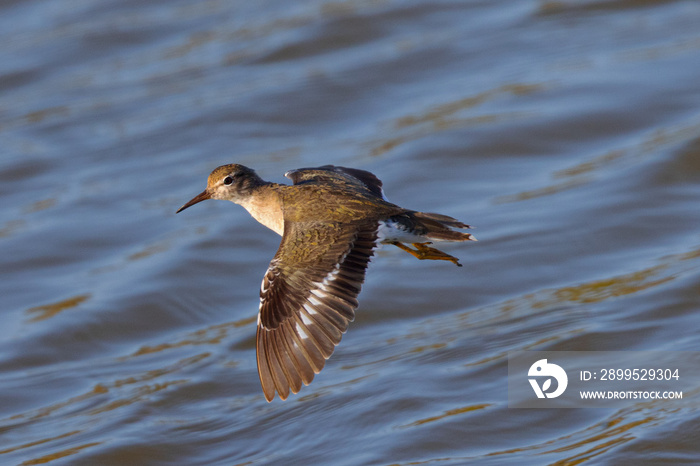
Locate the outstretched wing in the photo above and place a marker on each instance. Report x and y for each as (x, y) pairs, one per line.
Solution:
(331, 173)
(307, 299)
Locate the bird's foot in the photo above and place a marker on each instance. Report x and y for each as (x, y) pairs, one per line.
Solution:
(425, 252)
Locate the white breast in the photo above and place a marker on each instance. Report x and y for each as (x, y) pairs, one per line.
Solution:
(269, 214)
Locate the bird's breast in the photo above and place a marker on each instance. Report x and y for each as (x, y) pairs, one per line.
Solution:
(266, 210)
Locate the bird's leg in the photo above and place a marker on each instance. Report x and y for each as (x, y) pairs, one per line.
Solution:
(423, 251)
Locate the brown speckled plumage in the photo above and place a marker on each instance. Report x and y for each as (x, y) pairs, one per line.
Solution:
(331, 220)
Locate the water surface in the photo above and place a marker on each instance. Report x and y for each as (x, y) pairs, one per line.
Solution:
(567, 132)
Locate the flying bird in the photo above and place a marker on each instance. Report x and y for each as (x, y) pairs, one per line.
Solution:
(331, 220)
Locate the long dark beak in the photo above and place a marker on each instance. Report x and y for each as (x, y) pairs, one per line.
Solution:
(203, 196)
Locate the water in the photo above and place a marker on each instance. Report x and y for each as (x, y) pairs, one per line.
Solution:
(567, 132)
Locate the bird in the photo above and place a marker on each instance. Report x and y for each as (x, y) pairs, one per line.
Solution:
(331, 220)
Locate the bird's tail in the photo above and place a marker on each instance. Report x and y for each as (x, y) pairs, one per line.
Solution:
(440, 227)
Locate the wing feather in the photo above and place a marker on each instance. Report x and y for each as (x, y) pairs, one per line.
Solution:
(334, 174)
(307, 301)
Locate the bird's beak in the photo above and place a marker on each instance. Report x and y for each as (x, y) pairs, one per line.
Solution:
(203, 196)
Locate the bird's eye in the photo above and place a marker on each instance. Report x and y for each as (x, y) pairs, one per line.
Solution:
(228, 180)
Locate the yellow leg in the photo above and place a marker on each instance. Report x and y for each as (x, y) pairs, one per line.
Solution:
(423, 251)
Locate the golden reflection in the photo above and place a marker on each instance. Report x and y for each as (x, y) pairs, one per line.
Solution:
(147, 376)
(613, 287)
(49, 310)
(610, 431)
(144, 385)
(529, 347)
(552, 7)
(444, 117)
(387, 359)
(209, 336)
(600, 443)
(149, 251)
(11, 227)
(60, 454)
(672, 135)
(661, 51)
(584, 172)
(588, 166)
(424, 348)
(195, 40)
(437, 115)
(39, 442)
(439, 125)
(593, 452)
(695, 254)
(601, 290)
(48, 410)
(540, 192)
(328, 389)
(595, 439)
(39, 115)
(256, 31)
(139, 394)
(448, 413)
(38, 206)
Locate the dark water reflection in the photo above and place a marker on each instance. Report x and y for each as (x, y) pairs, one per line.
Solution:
(567, 132)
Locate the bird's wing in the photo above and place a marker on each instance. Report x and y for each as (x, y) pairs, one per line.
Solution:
(307, 299)
(331, 173)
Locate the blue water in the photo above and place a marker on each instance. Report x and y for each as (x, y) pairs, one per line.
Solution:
(567, 132)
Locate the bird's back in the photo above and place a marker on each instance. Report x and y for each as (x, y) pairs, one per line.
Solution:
(334, 194)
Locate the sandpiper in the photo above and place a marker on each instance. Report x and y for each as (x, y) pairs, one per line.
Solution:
(331, 220)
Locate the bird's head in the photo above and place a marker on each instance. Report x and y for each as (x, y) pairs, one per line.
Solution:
(230, 182)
